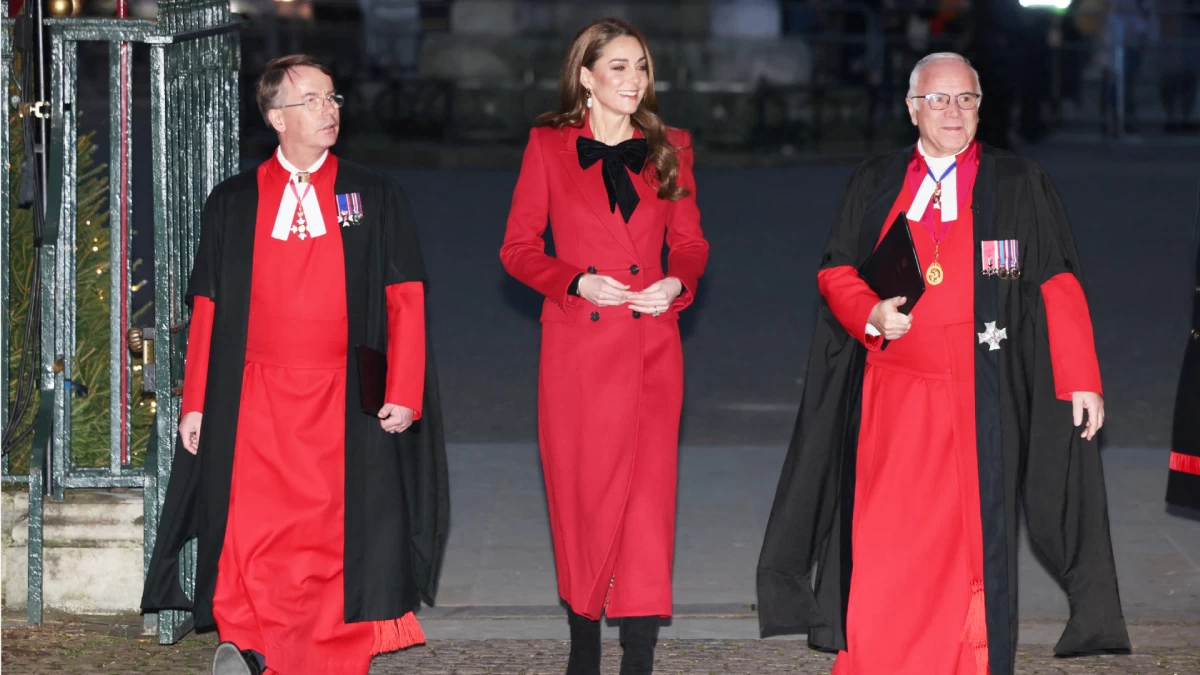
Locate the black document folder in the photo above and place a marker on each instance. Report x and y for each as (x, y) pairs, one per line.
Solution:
(372, 378)
(893, 269)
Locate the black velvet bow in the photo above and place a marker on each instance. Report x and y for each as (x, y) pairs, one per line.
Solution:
(631, 153)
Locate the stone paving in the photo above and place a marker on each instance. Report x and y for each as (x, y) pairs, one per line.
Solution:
(74, 648)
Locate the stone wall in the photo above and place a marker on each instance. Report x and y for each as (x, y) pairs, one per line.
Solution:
(93, 551)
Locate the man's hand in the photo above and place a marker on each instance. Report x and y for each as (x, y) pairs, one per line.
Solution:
(395, 418)
(602, 291)
(656, 297)
(1093, 403)
(189, 431)
(889, 322)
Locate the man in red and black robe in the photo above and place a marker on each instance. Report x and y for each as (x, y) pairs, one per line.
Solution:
(321, 526)
(919, 435)
(1183, 483)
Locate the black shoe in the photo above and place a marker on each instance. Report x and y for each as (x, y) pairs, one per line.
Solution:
(229, 660)
(585, 645)
(639, 635)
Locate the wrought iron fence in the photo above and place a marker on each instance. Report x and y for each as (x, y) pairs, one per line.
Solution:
(192, 79)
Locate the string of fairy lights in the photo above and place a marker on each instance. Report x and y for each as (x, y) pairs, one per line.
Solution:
(100, 270)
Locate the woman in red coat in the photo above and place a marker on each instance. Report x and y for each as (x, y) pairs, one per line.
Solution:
(614, 182)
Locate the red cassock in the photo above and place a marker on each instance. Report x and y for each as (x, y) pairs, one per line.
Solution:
(279, 585)
(610, 386)
(916, 604)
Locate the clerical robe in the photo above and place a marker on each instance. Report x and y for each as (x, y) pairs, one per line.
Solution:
(1183, 481)
(319, 533)
(902, 480)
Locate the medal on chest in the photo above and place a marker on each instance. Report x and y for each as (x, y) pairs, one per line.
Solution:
(935, 274)
(300, 223)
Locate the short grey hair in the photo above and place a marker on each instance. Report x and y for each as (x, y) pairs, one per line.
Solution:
(935, 58)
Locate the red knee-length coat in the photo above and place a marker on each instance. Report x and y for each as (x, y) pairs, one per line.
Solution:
(610, 386)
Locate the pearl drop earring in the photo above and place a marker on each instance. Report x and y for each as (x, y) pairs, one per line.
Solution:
(589, 98)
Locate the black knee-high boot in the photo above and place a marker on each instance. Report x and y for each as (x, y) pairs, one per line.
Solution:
(639, 634)
(585, 645)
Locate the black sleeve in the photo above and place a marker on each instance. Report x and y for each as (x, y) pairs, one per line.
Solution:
(404, 262)
(207, 262)
(842, 245)
(1055, 243)
(573, 289)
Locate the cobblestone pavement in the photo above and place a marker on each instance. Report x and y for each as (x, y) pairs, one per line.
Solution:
(69, 649)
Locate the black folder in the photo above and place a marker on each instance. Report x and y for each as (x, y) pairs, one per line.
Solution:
(893, 269)
(372, 378)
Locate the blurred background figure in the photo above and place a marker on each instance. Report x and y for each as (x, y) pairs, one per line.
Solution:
(1132, 28)
(391, 35)
(1181, 66)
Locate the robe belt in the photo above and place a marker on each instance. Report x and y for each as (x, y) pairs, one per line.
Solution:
(291, 342)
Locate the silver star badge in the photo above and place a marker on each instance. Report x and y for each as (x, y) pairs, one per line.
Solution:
(992, 336)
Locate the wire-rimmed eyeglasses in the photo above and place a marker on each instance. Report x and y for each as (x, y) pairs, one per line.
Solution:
(938, 101)
(314, 103)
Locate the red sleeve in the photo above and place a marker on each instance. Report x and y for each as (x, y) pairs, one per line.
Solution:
(851, 301)
(688, 250)
(195, 370)
(524, 251)
(406, 345)
(1072, 345)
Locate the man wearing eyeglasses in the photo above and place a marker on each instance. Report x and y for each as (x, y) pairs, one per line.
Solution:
(320, 517)
(920, 433)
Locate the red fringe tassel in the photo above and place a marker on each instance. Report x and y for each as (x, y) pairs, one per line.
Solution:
(975, 629)
(397, 634)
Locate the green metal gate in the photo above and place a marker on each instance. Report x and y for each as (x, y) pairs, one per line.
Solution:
(194, 56)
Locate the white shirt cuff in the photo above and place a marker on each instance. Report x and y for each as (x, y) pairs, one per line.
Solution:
(873, 331)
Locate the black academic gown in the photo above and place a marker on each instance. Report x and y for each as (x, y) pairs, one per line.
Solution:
(1183, 484)
(1030, 455)
(397, 490)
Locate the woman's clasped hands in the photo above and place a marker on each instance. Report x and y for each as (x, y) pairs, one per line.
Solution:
(605, 291)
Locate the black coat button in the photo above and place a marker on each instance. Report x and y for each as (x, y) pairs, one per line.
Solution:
(595, 316)
(634, 269)
(592, 270)
(637, 314)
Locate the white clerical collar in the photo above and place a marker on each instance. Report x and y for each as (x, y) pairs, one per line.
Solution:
(309, 221)
(943, 169)
(938, 164)
(291, 168)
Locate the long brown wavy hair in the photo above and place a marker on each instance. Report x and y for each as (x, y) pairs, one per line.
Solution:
(584, 52)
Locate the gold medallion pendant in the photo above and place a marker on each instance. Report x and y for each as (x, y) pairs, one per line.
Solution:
(934, 274)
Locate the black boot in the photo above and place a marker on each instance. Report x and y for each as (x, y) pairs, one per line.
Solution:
(639, 634)
(585, 645)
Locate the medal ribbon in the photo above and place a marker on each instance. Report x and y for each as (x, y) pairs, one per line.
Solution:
(938, 232)
(299, 197)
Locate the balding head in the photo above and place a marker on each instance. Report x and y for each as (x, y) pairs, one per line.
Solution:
(940, 58)
(943, 102)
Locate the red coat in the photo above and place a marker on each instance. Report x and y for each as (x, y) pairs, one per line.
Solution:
(610, 386)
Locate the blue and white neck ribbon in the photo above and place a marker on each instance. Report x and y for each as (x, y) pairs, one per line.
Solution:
(947, 168)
